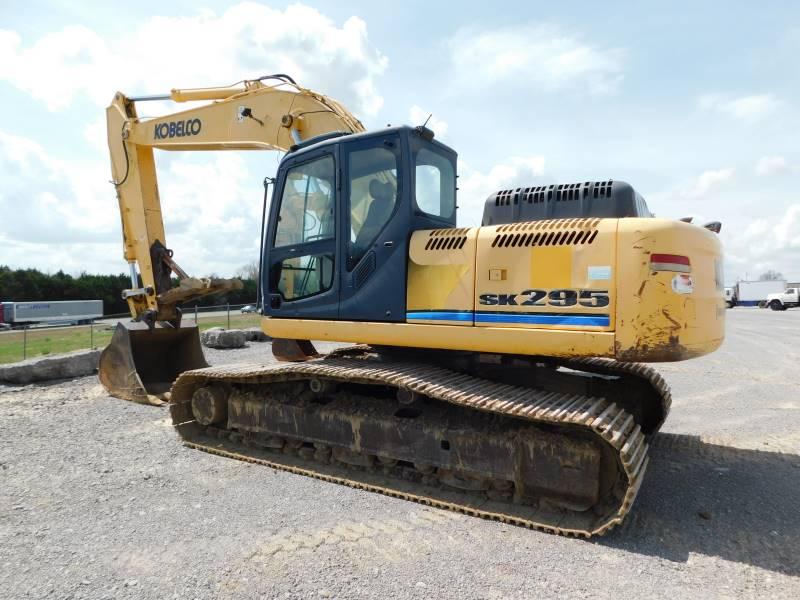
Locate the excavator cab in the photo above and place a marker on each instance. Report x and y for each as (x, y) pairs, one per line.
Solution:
(341, 218)
(335, 247)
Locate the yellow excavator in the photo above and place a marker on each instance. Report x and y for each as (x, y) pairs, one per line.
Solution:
(497, 370)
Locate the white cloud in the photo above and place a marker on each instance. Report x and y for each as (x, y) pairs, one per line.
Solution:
(771, 165)
(767, 243)
(65, 215)
(64, 210)
(474, 187)
(745, 108)
(540, 56)
(417, 116)
(707, 181)
(212, 212)
(50, 200)
(95, 134)
(205, 49)
(750, 245)
(698, 197)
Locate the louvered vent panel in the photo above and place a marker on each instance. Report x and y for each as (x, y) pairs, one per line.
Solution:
(446, 239)
(364, 269)
(558, 232)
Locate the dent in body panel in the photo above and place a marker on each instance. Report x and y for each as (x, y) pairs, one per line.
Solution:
(656, 324)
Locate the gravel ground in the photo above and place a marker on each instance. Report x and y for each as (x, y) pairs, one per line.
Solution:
(98, 499)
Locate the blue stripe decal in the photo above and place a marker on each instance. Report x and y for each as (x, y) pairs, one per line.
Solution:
(543, 319)
(527, 319)
(443, 315)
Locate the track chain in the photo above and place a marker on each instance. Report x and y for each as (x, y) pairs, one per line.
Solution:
(608, 421)
(608, 366)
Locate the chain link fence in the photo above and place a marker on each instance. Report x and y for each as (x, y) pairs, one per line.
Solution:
(42, 340)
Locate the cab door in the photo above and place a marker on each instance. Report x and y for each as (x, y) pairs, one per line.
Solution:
(301, 257)
(374, 231)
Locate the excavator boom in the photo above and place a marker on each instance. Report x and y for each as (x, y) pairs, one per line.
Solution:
(270, 113)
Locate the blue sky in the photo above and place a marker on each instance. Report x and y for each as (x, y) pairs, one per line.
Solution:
(695, 104)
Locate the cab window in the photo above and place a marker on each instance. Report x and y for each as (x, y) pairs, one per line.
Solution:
(307, 209)
(306, 214)
(373, 195)
(435, 187)
(305, 276)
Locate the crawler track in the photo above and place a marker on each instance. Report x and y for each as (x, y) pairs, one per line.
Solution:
(566, 418)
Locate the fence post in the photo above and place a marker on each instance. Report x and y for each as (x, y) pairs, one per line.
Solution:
(229, 315)
(195, 314)
(91, 335)
(24, 342)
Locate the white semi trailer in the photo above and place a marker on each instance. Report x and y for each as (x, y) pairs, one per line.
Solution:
(20, 314)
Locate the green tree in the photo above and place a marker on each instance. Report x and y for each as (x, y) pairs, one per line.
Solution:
(770, 276)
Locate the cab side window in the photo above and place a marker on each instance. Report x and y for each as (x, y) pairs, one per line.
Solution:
(435, 187)
(373, 197)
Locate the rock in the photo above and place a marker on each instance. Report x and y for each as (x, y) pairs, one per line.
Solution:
(254, 334)
(704, 514)
(59, 366)
(221, 338)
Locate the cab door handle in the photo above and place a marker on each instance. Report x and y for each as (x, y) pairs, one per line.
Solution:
(388, 244)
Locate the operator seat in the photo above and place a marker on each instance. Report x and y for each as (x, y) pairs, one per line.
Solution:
(378, 214)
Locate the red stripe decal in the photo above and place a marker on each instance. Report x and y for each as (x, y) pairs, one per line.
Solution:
(674, 259)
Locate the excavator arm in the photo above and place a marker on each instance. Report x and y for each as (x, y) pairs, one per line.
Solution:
(269, 113)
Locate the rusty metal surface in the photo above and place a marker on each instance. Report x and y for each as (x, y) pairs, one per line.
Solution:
(190, 289)
(600, 419)
(293, 350)
(475, 448)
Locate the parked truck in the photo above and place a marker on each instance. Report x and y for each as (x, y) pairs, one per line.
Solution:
(76, 312)
(755, 293)
(730, 297)
(783, 300)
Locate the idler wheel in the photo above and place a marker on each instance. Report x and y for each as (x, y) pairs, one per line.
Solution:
(321, 387)
(210, 405)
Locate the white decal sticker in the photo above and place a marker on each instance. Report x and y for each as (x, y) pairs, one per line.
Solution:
(600, 273)
(682, 284)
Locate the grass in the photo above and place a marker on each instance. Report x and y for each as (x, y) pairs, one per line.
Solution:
(39, 342)
(56, 340)
(237, 321)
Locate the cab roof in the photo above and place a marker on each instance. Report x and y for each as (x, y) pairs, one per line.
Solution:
(336, 137)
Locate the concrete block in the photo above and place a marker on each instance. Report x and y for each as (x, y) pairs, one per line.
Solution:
(221, 338)
(59, 366)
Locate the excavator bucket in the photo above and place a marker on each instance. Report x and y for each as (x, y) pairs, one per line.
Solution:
(140, 364)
